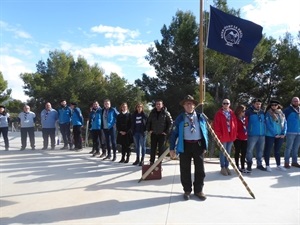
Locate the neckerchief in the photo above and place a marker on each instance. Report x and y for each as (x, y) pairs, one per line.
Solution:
(243, 120)
(227, 115)
(190, 116)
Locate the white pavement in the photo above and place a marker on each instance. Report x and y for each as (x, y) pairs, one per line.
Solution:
(66, 187)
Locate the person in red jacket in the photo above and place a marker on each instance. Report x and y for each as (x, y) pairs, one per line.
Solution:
(240, 144)
(225, 127)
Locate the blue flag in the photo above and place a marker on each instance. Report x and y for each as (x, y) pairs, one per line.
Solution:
(232, 35)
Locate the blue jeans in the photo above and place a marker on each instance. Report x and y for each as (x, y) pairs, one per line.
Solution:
(223, 160)
(292, 145)
(140, 144)
(110, 138)
(257, 142)
(270, 142)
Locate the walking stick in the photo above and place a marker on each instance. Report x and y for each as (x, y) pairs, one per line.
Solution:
(152, 167)
(228, 156)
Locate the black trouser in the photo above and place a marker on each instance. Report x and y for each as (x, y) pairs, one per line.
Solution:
(157, 141)
(4, 132)
(240, 148)
(97, 140)
(66, 133)
(77, 136)
(30, 132)
(46, 133)
(195, 151)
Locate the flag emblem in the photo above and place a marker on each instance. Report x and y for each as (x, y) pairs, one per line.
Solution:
(232, 35)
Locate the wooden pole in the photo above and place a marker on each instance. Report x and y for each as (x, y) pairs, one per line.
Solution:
(228, 157)
(201, 59)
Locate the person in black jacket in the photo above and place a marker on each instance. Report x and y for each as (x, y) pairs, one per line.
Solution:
(158, 125)
(124, 137)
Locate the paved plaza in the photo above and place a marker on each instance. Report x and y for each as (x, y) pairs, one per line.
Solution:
(63, 187)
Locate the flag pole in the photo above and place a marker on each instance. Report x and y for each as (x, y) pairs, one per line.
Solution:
(201, 59)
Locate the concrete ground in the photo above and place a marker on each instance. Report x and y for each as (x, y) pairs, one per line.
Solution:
(65, 187)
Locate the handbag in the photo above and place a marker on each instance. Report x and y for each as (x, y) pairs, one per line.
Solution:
(155, 174)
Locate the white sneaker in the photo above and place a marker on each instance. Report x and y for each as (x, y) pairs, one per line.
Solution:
(281, 168)
(268, 168)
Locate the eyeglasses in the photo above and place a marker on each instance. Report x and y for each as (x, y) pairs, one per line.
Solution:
(225, 103)
(274, 104)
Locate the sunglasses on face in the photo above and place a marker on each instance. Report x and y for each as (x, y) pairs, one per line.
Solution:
(225, 103)
(274, 104)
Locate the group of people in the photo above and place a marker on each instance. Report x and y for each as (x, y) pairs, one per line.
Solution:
(109, 127)
(65, 116)
(263, 130)
(245, 129)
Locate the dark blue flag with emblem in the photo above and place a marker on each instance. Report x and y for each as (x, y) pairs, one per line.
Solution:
(232, 35)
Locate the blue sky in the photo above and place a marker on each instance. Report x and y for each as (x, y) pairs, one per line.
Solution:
(115, 34)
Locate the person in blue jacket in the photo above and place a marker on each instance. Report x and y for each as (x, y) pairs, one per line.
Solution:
(256, 134)
(64, 119)
(292, 115)
(190, 133)
(109, 118)
(95, 128)
(77, 122)
(275, 133)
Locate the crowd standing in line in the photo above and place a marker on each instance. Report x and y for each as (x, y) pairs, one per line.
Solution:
(248, 129)
(27, 121)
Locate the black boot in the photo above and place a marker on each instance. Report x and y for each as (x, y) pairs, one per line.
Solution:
(137, 161)
(122, 159)
(127, 158)
(114, 157)
(142, 162)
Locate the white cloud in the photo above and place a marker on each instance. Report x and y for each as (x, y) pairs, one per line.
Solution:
(19, 33)
(275, 15)
(116, 32)
(111, 67)
(11, 69)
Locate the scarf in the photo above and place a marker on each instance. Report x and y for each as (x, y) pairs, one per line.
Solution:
(278, 116)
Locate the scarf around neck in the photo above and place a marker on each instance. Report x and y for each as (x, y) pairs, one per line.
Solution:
(278, 116)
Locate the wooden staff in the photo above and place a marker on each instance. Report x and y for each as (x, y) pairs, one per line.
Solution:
(228, 156)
